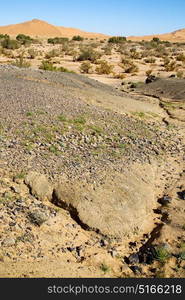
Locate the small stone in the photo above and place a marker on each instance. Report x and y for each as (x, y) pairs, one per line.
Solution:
(113, 252)
(71, 249)
(79, 250)
(104, 243)
(37, 217)
(8, 242)
(165, 200)
(136, 269)
(15, 189)
(181, 195)
(133, 258)
(12, 224)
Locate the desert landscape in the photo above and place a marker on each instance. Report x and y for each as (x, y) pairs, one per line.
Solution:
(92, 153)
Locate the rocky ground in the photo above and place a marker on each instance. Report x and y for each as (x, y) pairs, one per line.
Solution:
(92, 178)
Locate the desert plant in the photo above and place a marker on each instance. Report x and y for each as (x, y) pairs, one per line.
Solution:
(10, 44)
(132, 69)
(32, 53)
(8, 53)
(58, 40)
(89, 54)
(104, 67)
(119, 76)
(85, 67)
(62, 69)
(21, 62)
(180, 74)
(181, 57)
(156, 40)
(47, 66)
(52, 53)
(77, 38)
(117, 39)
(162, 254)
(150, 60)
(169, 65)
(134, 54)
(104, 268)
(24, 39)
(107, 50)
(4, 36)
(149, 72)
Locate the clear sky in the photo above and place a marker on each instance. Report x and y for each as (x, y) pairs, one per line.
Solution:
(114, 17)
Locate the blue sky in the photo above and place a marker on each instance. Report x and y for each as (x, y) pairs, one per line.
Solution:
(114, 17)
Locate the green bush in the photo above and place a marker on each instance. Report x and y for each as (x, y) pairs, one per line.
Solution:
(58, 40)
(89, 54)
(162, 254)
(24, 39)
(4, 36)
(156, 40)
(10, 44)
(48, 66)
(117, 39)
(77, 38)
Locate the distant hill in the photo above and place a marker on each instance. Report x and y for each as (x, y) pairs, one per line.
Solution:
(41, 28)
(175, 36)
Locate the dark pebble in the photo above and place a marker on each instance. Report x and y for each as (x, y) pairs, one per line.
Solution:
(165, 200)
(136, 269)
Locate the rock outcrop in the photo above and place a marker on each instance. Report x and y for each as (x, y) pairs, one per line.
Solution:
(121, 206)
(39, 186)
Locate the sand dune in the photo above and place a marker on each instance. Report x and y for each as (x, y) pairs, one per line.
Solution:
(41, 28)
(175, 36)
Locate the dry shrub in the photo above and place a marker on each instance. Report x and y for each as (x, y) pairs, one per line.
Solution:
(104, 67)
(86, 67)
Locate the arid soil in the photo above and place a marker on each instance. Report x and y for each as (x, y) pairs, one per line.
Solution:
(92, 157)
(92, 177)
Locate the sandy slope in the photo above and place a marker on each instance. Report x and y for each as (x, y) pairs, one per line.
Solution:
(175, 36)
(40, 28)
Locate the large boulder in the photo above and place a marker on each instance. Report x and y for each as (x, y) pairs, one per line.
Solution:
(121, 206)
(39, 186)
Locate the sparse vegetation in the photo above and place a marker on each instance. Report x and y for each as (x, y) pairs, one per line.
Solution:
(117, 39)
(162, 254)
(104, 67)
(58, 40)
(89, 54)
(32, 53)
(23, 39)
(49, 66)
(104, 268)
(10, 44)
(86, 67)
(78, 38)
(21, 62)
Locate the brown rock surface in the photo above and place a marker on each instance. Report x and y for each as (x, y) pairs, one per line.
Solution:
(39, 185)
(112, 207)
